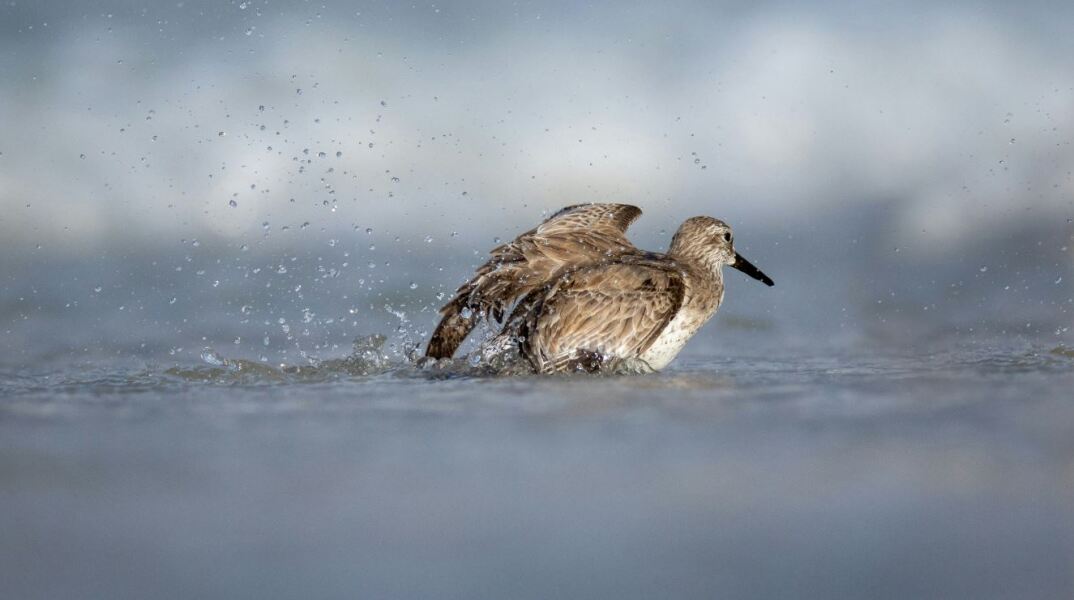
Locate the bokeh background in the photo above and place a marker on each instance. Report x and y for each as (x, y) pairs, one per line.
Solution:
(277, 178)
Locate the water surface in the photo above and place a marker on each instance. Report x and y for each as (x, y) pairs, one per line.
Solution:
(818, 471)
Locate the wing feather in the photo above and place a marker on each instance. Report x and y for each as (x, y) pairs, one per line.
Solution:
(574, 236)
(613, 310)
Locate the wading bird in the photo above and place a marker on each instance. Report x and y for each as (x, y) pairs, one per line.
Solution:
(586, 299)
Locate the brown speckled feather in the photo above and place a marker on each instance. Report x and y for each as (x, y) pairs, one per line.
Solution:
(613, 310)
(574, 236)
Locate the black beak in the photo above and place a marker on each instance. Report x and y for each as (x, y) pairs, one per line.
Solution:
(747, 267)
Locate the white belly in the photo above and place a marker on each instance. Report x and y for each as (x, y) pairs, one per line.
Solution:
(673, 338)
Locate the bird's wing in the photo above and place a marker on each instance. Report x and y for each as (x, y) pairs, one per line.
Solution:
(613, 310)
(574, 236)
(609, 220)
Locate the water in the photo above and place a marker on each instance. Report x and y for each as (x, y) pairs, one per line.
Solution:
(269, 437)
(875, 425)
(815, 470)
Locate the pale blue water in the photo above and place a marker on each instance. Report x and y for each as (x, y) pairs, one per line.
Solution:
(821, 472)
(825, 438)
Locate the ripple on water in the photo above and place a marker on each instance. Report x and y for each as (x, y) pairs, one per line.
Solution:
(368, 359)
(835, 382)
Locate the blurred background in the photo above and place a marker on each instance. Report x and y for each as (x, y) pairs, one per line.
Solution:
(276, 178)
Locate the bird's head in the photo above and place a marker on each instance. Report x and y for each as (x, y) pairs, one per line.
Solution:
(711, 242)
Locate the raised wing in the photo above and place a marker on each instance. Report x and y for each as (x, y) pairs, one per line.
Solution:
(575, 236)
(604, 220)
(606, 312)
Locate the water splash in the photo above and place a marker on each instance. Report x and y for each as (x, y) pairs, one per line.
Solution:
(495, 357)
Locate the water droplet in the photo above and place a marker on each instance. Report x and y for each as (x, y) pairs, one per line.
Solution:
(232, 203)
(305, 224)
(242, 6)
(97, 289)
(82, 156)
(298, 91)
(983, 269)
(383, 103)
(339, 154)
(428, 239)
(212, 358)
(220, 134)
(321, 155)
(173, 300)
(369, 231)
(413, 285)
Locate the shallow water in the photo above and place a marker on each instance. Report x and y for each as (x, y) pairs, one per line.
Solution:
(815, 471)
(832, 437)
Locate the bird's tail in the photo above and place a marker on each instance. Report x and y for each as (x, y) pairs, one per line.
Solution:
(457, 323)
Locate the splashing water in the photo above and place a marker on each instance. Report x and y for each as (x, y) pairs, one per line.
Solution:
(494, 357)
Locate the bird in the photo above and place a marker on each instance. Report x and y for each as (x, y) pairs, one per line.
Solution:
(582, 297)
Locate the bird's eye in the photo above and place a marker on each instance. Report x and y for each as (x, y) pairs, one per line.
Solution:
(727, 237)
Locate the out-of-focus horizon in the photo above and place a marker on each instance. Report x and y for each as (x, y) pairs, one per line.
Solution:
(917, 155)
